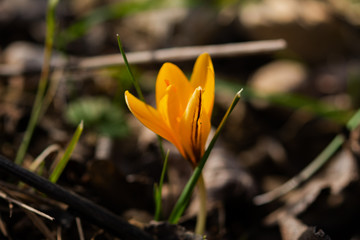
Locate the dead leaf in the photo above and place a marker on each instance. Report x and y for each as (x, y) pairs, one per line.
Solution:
(339, 173)
(278, 77)
(3, 227)
(224, 178)
(293, 229)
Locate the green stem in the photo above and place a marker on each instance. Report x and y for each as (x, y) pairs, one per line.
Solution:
(201, 217)
(35, 114)
(137, 88)
(158, 189)
(162, 151)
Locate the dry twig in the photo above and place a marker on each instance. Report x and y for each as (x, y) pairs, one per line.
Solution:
(156, 56)
(80, 229)
(182, 54)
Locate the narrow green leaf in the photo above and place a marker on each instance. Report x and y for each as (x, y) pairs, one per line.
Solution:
(43, 82)
(64, 160)
(135, 82)
(137, 87)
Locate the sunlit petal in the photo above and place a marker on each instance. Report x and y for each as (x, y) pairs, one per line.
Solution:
(194, 127)
(204, 130)
(170, 74)
(203, 75)
(170, 108)
(152, 119)
(148, 116)
(184, 107)
(174, 107)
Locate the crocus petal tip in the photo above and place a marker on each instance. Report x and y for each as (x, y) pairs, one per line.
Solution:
(126, 93)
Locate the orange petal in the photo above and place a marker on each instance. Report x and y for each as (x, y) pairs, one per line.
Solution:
(203, 76)
(205, 122)
(170, 108)
(170, 74)
(195, 127)
(152, 119)
(148, 116)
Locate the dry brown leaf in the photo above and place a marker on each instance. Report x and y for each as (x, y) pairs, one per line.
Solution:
(224, 178)
(3, 227)
(293, 229)
(280, 76)
(341, 171)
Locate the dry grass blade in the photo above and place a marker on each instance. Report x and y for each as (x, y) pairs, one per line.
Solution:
(3, 227)
(98, 215)
(58, 233)
(50, 149)
(80, 229)
(4, 196)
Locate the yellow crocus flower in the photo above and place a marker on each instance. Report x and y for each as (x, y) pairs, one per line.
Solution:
(183, 108)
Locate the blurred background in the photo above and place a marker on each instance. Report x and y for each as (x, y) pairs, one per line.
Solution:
(295, 101)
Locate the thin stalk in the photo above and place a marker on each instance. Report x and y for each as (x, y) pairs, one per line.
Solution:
(311, 169)
(137, 88)
(162, 151)
(201, 217)
(184, 198)
(50, 29)
(136, 83)
(11, 200)
(158, 189)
